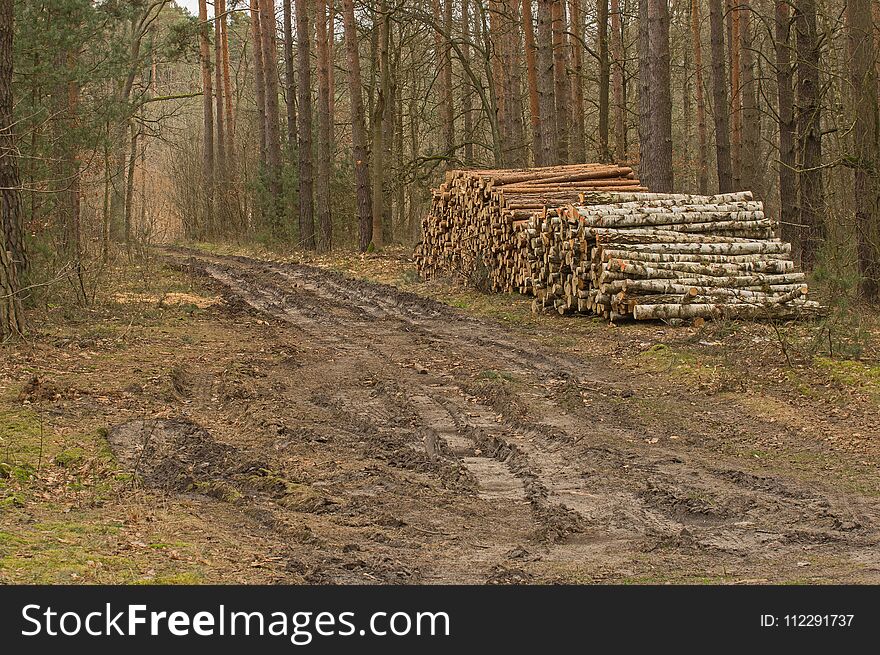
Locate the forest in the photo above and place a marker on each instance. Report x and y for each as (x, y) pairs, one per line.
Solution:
(324, 125)
(232, 349)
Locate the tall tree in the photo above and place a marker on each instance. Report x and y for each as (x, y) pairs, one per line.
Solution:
(578, 118)
(208, 126)
(719, 98)
(273, 137)
(259, 78)
(290, 76)
(546, 94)
(788, 211)
(466, 86)
(325, 119)
(604, 78)
(560, 79)
(227, 88)
(448, 103)
(655, 99)
(703, 155)
(219, 101)
(358, 127)
(380, 116)
(750, 125)
(11, 245)
(733, 48)
(809, 129)
(866, 150)
(304, 125)
(538, 152)
(617, 57)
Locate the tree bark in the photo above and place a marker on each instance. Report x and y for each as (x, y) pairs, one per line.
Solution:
(304, 125)
(546, 93)
(325, 144)
(532, 77)
(719, 98)
(604, 78)
(273, 137)
(560, 78)
(578, 133)
(378, 124)
(227, 90)
(865, 157)
(809, 128)
(617, 57)
(733, 49)
(466, 89)
(219, 100)
(290, 77)
(655, 100)
(448, 105)
(703, 156)
(259, 78)
(750, 158)
(788, 210)
(12, 256)
(208, 126)
(358, 128)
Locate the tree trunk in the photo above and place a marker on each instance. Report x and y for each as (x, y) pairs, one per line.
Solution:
(719, 98)
(696, 37)
(273, 137)
(733, 49)
(866, 157)
(655, 100)
(617, 80)
(750, 157)
(546, 94)
(219, 101)
(304, 125)
(379, 151)
(788, 210)
(466, 89)
(227, 91)
(532, 76)
(208, 127)
(448, 106)
(12, 259)
(290, 77)
(259, 78)
(358, 128)
(325, 145)
(560, 78)
(578, 118)
(507, 73)
(604, 78)
(812, 193)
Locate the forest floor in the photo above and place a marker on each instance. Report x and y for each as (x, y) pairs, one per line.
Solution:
(219, 418)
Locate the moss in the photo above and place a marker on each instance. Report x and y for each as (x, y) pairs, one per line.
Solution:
(218, 489)
(70, 457)
(496, 376)
(183, 578)
(851, 373)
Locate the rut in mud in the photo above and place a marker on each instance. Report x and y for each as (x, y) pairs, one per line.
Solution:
(398, 440)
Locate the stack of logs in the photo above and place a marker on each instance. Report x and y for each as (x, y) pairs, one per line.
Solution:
(613, 251)
(471, 229)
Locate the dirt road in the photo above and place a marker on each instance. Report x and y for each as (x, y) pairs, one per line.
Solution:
(386, 437)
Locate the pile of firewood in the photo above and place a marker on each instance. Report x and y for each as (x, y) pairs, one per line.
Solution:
(662, 256)
(639, 255)
(471, 229)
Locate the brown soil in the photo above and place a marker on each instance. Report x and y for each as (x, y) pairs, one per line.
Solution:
(415, 443)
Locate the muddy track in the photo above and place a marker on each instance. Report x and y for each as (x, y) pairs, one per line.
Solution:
(545, 444)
